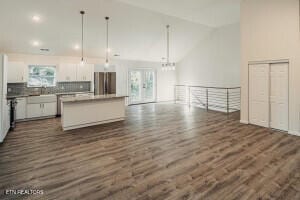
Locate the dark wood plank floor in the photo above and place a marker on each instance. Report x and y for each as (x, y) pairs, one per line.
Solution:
(161, 151)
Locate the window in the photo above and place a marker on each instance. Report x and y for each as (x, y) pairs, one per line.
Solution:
(41, 76)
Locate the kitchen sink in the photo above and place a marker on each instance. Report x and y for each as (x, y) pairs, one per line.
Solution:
(41, 99)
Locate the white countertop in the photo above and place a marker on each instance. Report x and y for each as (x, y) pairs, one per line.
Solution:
(91, 98)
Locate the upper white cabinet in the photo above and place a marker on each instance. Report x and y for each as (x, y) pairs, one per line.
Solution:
(85, 72)
(75, 72)
(66, 73)
(17, 72)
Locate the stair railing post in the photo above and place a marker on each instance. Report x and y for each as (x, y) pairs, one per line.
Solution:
(189, 89)
(227, 101)
(206, 99)
(175, 95)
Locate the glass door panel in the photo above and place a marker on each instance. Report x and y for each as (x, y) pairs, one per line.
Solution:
(142, 86)
(135, 86)
(149, 86)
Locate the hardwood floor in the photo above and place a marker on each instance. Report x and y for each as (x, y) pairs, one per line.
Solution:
(161, 151)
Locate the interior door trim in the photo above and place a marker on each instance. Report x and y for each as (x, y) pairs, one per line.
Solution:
(268, 62)
(128, 82)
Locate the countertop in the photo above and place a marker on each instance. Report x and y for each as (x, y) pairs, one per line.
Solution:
(17, 96)
(28, 95)
(91, 98)
(66, 93)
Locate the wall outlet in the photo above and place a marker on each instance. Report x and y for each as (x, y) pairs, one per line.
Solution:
(8, 89)
(62, 87)
(81, 86)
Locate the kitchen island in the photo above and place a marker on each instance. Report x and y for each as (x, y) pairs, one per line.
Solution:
(83, 111)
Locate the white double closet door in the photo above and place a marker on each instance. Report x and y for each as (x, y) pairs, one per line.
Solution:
(268, 95)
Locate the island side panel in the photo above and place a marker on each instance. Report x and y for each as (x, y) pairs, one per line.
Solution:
(87, 113)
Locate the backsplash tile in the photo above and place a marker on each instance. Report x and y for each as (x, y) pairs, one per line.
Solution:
(61, 87)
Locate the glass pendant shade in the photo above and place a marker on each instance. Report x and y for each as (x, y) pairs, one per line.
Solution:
(168, 66)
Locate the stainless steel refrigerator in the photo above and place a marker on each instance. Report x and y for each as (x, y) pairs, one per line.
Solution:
(105, 83)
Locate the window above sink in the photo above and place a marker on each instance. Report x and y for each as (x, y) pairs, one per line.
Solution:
(41, 76)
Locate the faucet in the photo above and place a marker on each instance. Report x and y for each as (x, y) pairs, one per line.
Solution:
(43, 89)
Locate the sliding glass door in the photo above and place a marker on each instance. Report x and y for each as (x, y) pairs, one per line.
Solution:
(142, 86)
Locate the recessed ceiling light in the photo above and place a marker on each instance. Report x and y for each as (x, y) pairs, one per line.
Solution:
(36, 18)
(35, 43)
(108, 50)
(76, 47)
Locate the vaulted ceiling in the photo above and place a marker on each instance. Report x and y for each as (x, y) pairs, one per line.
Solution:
(213, 13)
(137, 27)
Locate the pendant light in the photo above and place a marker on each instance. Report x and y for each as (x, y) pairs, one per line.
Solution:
(107, 47)
(168, 66)
(82, 62)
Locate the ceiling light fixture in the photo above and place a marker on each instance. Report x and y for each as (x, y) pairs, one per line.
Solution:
(76, 47)
(82, 60)
(107, 47)
(36, 18)
(168, 66)
(36, 43)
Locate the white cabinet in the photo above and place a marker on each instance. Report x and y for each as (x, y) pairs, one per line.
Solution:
(75, 72)
(66, 72)
(85, 72)
(49, 109)
(34, 110)
(17, 72)
(6, 117)
(21, 108)
(4, 103)
(41, 110)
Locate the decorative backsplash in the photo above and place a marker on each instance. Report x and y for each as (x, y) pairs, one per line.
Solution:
(61, 87)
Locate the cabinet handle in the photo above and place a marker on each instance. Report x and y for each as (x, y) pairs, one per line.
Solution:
(40, 105)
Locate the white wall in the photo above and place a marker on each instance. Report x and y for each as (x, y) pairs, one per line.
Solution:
(165, 80)
(270, 31)
(215, 61)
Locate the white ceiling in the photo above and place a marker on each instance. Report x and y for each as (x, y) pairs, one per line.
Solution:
(213, 13)
(135, 33)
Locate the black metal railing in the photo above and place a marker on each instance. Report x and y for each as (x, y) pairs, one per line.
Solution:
(211, 98)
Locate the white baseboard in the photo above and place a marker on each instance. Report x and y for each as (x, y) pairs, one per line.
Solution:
(244, 121)
(71, 127)
(297, 133)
